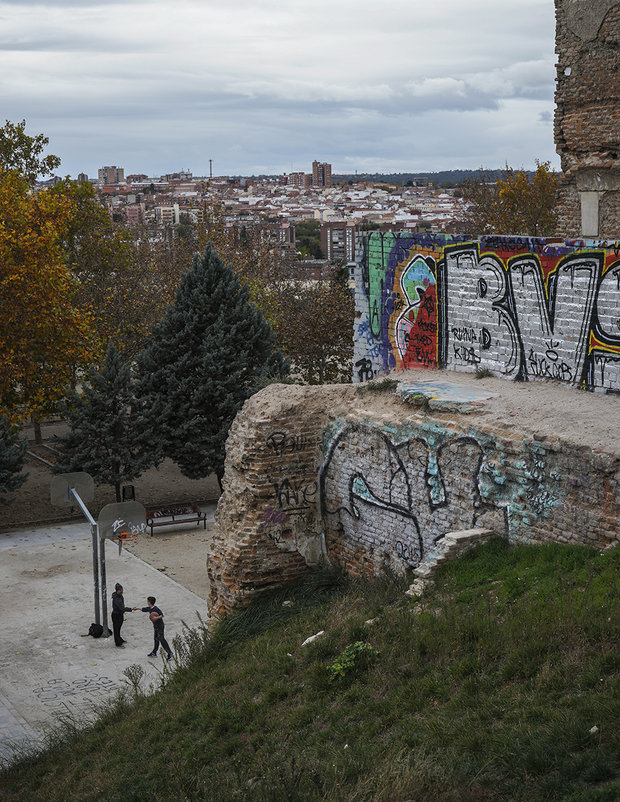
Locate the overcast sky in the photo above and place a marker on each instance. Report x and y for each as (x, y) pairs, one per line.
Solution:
(267, 86)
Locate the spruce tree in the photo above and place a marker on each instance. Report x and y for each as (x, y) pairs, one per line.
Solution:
(12, 452)
(102, 439)
(212, 350)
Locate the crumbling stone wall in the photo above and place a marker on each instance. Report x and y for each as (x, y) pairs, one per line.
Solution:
(587, 119)
(267, 529)
(368, 483)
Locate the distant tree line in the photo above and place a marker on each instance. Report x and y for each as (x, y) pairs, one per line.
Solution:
(441, 178)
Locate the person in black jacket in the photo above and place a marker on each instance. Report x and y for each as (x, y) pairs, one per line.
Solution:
(118, 613)
(157, 617)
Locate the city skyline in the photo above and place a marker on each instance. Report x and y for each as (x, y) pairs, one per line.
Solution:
(264, 89)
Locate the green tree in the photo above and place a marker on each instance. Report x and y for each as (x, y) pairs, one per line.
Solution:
(102, 438)
(210, 353)
(517, 203)
(23, 153)
(313, 323)
(527, 202)
(12, 451)
(308, 238)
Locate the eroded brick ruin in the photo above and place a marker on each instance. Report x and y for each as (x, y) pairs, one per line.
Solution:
(341, 476)
(587, 118)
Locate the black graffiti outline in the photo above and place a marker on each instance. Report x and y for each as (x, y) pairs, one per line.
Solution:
(353, 510)
(396, 453)
(505, 305)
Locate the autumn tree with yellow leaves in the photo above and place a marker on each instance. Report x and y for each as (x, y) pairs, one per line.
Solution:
(46, 335)
(520, 202)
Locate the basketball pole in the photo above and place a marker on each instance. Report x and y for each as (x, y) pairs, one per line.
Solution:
(94, 529)
(104, 600)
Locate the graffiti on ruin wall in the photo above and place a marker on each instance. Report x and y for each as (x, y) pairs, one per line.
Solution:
(523, 308)
(396, 492)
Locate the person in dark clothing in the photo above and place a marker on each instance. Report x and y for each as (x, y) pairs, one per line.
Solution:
(118, 613)
(157, 617)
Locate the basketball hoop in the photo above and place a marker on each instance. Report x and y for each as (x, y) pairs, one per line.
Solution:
(126, 537)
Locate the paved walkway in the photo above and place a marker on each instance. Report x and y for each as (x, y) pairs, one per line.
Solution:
(50, 669)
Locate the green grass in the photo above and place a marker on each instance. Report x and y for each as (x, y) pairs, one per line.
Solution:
(485, 688)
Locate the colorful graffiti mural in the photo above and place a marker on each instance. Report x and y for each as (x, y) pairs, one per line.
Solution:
(522, 308)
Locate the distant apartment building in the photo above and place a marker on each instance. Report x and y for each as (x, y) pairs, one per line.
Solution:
(343, 240)
(111, 175)
(168, 215)
(338, 241)
(301, 180)
(195, 213)
(282, 234)
(83, 178)
(321, 174)
(135, 214)
(182, 175)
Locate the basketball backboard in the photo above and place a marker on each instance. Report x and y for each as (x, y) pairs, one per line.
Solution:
(63, 483)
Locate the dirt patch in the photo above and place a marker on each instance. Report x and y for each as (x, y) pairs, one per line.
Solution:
(539, 408)
(181, 554)
(53, 570)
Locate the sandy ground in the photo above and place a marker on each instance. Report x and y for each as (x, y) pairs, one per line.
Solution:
(50, 669)
(180, 553)
(544, 408)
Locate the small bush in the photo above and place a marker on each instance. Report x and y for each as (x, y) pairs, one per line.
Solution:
(356, 656)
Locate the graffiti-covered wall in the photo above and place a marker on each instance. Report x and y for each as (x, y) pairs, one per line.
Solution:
(368, 483)
(525, 309)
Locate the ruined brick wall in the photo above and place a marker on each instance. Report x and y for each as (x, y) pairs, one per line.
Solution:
(266, 526)
(526, 309)
(336, 475)
(587, 118)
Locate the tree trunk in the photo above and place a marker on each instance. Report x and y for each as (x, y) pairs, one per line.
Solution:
(37, 430)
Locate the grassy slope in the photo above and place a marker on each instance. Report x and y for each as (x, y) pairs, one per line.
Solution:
(485, 689)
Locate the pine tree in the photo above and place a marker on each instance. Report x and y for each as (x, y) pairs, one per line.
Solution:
(212, 350)
(103, 437)
(12, 451)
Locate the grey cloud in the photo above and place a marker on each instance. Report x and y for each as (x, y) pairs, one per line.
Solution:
(85, 44)
(73, 3)
(394, 88)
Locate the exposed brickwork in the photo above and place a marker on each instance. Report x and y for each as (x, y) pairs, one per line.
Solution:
(587, 119)
(266, 518)
(330, 474)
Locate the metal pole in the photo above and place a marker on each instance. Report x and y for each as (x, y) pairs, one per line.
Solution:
(104, 592)
(95, 538)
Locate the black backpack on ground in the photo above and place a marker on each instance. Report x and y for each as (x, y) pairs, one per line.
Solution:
(96, 630)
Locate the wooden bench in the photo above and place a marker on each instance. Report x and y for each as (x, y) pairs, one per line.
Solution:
(168, 516)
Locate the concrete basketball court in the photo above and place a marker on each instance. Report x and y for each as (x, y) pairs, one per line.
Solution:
(49, 667)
